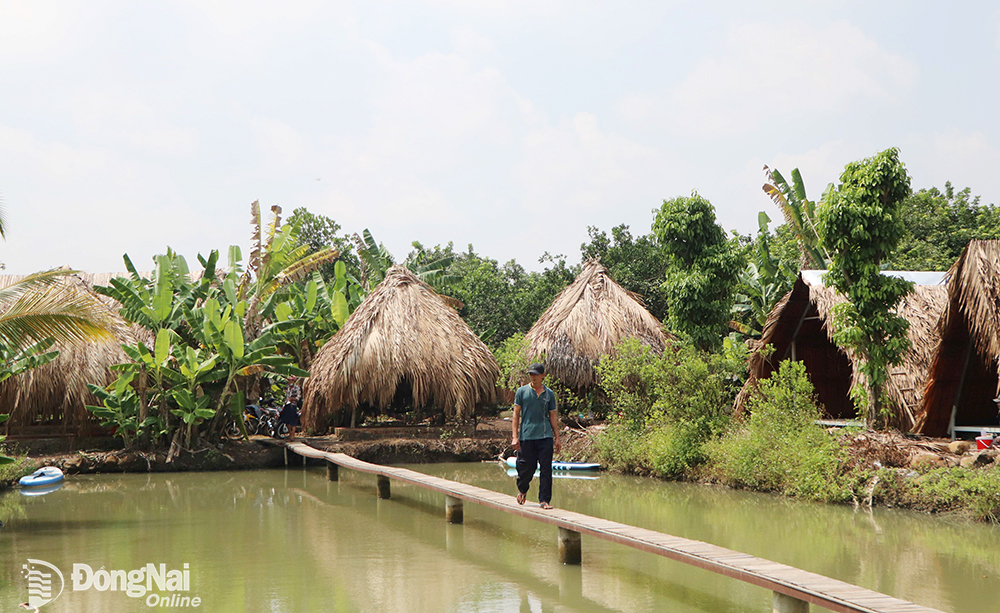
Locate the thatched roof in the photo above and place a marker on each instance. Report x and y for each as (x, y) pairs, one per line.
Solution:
(810, 304)
(402, 334)
(585, 322)
(57, 392)
(970, 321)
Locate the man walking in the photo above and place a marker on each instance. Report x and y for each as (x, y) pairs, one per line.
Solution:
(535, 435)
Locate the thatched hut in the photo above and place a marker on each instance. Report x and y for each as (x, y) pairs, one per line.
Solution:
(403, 346)
(964, 378)
(585, 322)
(51, 400)
(800, 327)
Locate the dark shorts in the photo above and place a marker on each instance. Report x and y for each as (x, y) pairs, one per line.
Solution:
(289, 415)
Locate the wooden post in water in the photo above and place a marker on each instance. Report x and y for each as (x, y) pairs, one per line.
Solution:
(453, 510)
(294, 459)
(782, 603)
(382, 484)
(332, 472)
(569, 547)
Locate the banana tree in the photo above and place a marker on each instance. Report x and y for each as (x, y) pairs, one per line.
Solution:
(221, 331)
(119, 408)
(760, 285)
(276, 260)
(322, 308)
(799, 213)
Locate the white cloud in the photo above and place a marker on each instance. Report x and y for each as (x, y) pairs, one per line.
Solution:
(280, 147)
(83, 207)
(123, 119)
(575, 164)
(31, 29)
(967, 159)
(767, 73)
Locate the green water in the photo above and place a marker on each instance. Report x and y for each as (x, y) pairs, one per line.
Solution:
(280, 540)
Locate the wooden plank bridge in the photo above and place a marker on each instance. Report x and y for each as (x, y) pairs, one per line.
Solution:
(793, 589)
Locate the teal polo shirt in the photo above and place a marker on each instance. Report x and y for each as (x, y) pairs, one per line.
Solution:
(535, 409)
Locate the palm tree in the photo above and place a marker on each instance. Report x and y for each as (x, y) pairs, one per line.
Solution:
(39, 311)
(42, 306)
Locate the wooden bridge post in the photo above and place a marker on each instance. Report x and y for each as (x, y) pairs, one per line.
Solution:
(783, 603)
(332, 472)
(382, 484)
(569, 547)
(453, 510)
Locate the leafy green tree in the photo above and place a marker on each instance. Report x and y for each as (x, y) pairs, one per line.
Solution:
(637, 264)
(860, 224)
(487, 292)
(497, 301)
(701, 270)
(938, 225)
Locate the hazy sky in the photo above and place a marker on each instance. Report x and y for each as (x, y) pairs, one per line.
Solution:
(131, 126)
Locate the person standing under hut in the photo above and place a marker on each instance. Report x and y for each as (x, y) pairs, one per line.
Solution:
(290, 411)
(535, 435)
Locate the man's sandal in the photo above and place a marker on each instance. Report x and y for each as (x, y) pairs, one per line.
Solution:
(521, 498)
(545, 506)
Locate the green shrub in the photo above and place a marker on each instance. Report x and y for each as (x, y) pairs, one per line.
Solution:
(665, 408)
(952, 489)
(17, 467)
(511, 355)
(780, 448)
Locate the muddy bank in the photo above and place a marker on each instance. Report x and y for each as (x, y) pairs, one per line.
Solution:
(252, 454)
(419, 451)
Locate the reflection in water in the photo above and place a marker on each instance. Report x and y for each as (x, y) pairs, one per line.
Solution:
(292, 541)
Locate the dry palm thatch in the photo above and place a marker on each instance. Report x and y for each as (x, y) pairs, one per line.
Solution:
(966, 369)
(585, 322)
(807, 310)
(56, 393)
(402, 335)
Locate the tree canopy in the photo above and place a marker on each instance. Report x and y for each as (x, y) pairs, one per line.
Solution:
(637, 264)
(938, 225)
(702, 268)
(860, 225)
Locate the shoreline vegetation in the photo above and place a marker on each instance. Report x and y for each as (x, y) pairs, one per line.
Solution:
(801, 460)
(199, 345)
(656, 430)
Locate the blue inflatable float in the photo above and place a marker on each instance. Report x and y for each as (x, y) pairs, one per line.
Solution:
(512, 462)
(43, 477)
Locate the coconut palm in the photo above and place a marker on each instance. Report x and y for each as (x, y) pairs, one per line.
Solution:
(40, 310)
(42, 306)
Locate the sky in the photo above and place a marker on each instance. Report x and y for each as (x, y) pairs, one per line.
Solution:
(514, 125)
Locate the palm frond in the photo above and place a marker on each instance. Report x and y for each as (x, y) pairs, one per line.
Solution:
(60, 312)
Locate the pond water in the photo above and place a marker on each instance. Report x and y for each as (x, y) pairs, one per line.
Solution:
(290, 541)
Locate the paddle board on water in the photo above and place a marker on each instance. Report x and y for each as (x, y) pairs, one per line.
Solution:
(512, 462)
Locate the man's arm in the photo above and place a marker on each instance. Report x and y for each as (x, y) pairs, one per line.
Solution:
(515, 428)
(554, 420)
